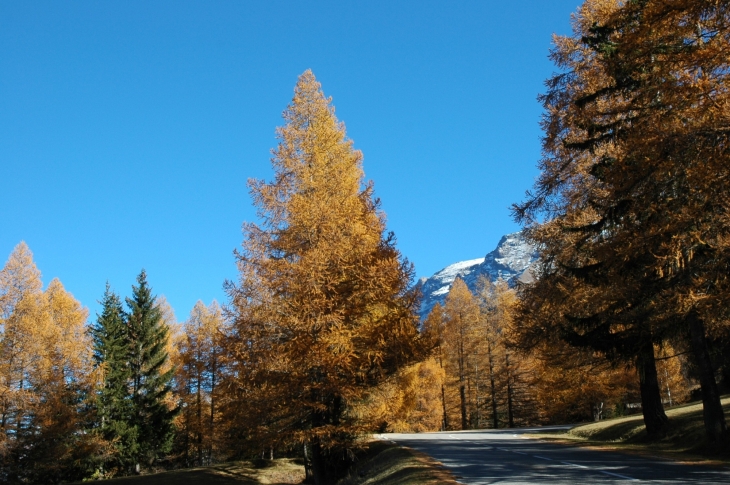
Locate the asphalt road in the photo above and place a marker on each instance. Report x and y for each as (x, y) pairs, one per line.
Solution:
(511, 457)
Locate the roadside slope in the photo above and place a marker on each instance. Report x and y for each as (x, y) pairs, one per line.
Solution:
(685, 442)
(279, 472)
(387, 464)
(380, 464)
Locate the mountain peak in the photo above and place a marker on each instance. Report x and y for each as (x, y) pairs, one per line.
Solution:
(508, 261)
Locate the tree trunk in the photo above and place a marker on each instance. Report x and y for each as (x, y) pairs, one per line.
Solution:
(462, 395)
(308, 475)
(655, 419)
(462, 377)
(443, 404)
(443, 390)
(317, 464)
(200, 422)
(214, 370)
(476, 396)
(510, 411)
(495, 419)
(712, 412)
(187, 437)
(326, 465)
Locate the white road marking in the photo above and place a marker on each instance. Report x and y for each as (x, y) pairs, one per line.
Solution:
(572, 464)
(543, 458)
(616, 475)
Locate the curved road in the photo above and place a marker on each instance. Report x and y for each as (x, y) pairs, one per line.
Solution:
(511, 457)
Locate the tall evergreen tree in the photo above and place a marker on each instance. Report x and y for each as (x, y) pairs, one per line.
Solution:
(113, 402)
(147, 339)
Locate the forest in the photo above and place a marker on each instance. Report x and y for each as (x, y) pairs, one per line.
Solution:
(319, 343)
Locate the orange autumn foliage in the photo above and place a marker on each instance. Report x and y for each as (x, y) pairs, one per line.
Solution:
(46, 376)
(408, 402)
(322, 310)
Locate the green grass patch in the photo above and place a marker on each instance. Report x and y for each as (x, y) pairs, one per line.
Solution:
(685, 441)
(387, 464)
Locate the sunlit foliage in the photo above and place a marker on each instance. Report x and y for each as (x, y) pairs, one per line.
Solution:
(630, 209)
(322, 307)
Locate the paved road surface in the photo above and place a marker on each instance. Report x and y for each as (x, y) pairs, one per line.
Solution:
(511, 457)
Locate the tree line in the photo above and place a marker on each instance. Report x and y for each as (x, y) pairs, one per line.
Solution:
(629, 216)
(320, 343)
(86, 401)
(628, 307)
(323, 311)
(478, 376)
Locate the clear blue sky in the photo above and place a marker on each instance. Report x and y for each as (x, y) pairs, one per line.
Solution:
(128, 129)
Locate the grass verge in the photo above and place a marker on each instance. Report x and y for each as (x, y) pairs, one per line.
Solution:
(279, 472)
(685, 441)
(380, 464)
(387, 464)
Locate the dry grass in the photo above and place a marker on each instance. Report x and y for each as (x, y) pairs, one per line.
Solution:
(685, 442)
(380, 464)
(387, 464)
(280, 472)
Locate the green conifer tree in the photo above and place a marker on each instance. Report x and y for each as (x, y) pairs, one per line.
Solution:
(113, 402)
(147, 336)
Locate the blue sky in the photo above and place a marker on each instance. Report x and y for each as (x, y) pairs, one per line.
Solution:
(128, 129)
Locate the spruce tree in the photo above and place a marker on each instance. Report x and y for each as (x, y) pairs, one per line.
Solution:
(147, 340)
(114, 405)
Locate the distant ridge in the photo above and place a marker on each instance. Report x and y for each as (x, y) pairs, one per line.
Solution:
(509, 261)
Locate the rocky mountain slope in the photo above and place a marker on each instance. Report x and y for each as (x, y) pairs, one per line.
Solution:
(509, 261)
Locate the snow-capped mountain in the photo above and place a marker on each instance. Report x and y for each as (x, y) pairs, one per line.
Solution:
(509, 261)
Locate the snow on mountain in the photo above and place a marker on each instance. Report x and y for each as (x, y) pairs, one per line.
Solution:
(509, 261)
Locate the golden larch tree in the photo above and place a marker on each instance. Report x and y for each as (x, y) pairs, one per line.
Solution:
(408, 402)
(433, 330)
(46, 377)
(322, 309)
(23, 319)
(58, 448)
(199, 365)
(461, 317)
(630, 211)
